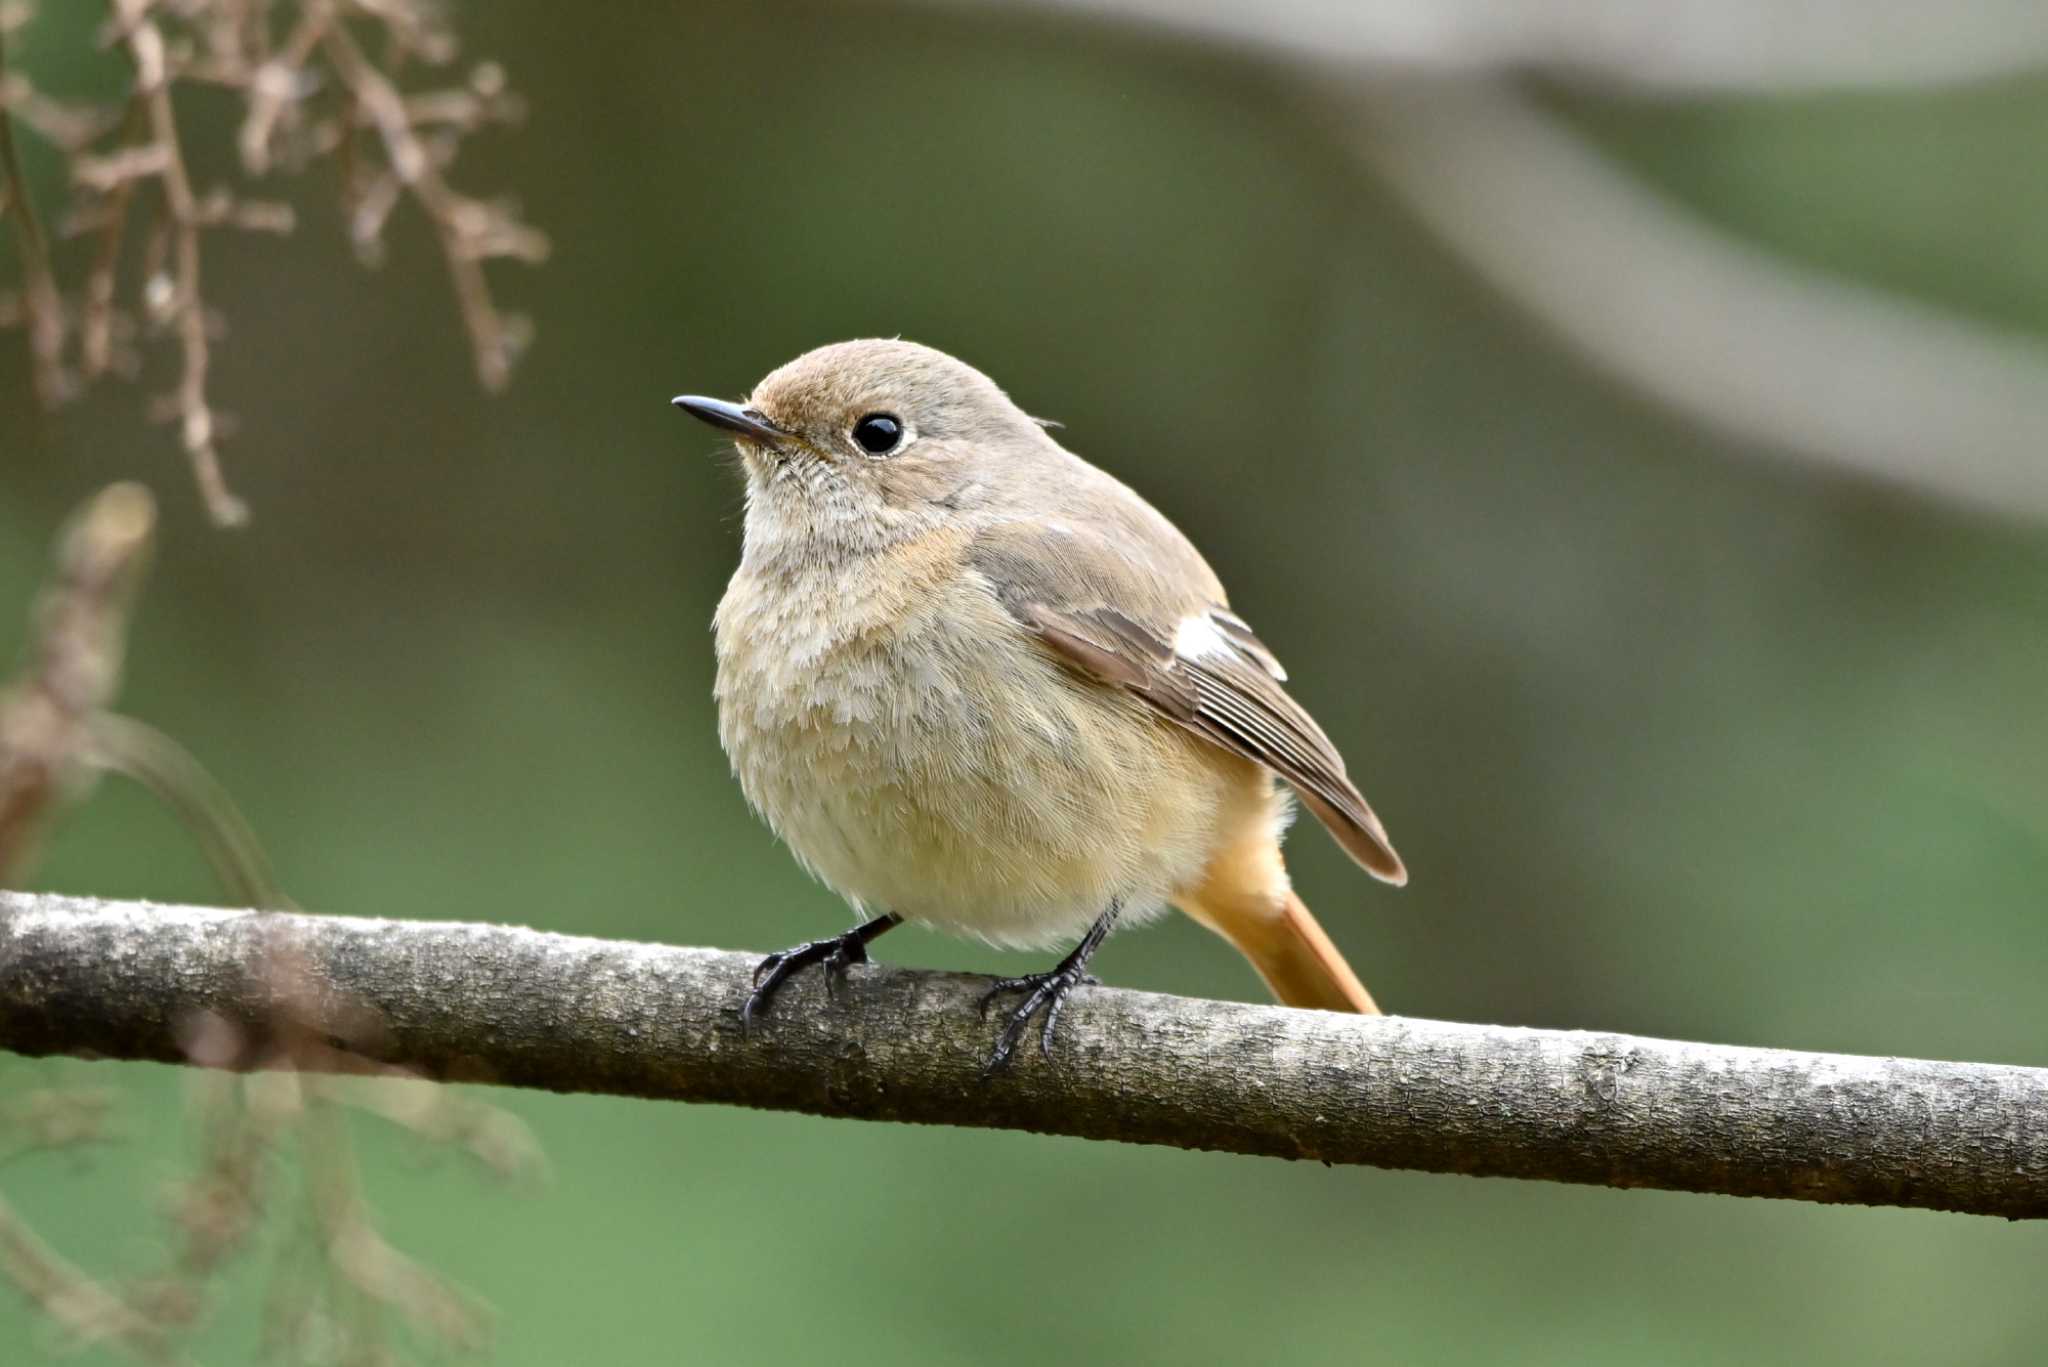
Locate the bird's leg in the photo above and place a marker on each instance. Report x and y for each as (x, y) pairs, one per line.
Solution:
(1045, 990)
(835, 952)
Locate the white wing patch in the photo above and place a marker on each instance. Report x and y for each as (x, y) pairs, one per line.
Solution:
(1197, 635)
(1219, 631)
(1218, 681)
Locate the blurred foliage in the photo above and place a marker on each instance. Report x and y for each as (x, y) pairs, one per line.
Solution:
(1676, 738)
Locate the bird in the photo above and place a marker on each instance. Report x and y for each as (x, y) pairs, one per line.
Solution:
(976, 683)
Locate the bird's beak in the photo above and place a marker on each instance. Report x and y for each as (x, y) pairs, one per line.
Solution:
(748, 422)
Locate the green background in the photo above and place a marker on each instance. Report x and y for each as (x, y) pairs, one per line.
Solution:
(1677, 737)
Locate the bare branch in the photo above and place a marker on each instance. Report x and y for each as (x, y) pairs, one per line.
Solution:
(97, 328)
(78, 639)
(1679, 46)
(519, 1007)
(470, 230)
(1838, 372)
(1727, 333)
(82, 1307)
(267, 1093)
(1732, 335)
(198, 426)
(310, 88)
(41, 303)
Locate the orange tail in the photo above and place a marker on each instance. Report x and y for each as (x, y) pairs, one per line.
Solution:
(1291, 952)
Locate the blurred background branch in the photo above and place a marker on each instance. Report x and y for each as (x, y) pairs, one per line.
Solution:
(468, 1002)
(72, 667)
(57, 735)
(1669, 46)
(41, 307)
(1733, 336)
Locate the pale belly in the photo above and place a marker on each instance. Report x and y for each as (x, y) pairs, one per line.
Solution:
(959, 777)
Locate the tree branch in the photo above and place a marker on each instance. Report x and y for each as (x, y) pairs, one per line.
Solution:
(1739, 338)
(1725, 331)
(42, 304)
(1657, 46)
(523, 1008)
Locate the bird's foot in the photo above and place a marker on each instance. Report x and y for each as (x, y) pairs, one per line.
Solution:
(1042, 991)
(836, 953)
(1046, 991)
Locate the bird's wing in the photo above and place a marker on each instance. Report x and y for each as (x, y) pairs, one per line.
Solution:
(1143, 613)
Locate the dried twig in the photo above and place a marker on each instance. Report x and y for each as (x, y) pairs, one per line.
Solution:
(56, 733)
(97, 326)
(42, 304)
(339, 1274)
(196, 423)
(310, 89)
(83, 1308)
(470, 231)
(73, 666)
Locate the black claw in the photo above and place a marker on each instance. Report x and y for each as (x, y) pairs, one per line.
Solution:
(1044, 990)
(772, 962)
(1052, 1019)
(836, 953)
(836, 964)
(1000, 986)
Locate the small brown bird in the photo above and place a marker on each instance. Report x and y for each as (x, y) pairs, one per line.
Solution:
(974, 682)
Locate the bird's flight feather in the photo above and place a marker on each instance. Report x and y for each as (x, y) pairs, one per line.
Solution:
(1188, 657)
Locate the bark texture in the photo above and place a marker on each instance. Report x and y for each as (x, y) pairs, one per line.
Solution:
(523, 1008)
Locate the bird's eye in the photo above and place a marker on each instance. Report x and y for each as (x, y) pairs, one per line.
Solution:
(878, 434)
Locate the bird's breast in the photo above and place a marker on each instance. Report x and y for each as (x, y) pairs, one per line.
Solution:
(920, 754)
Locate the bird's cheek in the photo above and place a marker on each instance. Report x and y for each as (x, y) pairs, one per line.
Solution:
(915, 482)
